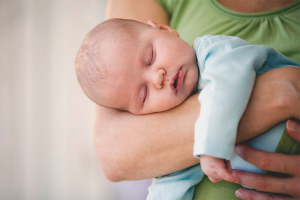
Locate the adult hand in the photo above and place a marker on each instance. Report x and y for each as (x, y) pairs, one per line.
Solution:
(271, 187)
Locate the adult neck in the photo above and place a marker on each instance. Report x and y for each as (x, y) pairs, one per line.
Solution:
(254, 6)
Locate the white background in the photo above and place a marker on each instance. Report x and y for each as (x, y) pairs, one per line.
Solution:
(46, 148)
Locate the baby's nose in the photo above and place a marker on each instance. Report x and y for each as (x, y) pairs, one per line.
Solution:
(159, 78)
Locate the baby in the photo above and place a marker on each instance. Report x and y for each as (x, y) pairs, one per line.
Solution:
(131, 66)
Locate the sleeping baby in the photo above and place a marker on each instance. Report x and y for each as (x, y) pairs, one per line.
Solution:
(147, 68)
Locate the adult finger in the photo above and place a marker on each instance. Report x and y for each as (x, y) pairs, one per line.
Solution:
(288, 164)
(293, 129)
(245, 194)
(266, 183)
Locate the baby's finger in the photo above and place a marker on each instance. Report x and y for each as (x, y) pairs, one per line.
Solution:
(213, 176)
(223, 174)
(214, 180)
(228, 166)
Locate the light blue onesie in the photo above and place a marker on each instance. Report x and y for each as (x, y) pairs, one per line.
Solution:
(228, 67)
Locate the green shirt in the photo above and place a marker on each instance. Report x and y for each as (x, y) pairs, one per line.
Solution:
(278, 28)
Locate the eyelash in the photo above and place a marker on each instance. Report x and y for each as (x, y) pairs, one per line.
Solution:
(150, 63)
(152, 57)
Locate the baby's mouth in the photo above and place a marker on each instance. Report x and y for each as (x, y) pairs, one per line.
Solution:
(177, 80)
(175, 83)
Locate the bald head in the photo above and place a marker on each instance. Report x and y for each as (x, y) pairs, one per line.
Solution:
(92, 67)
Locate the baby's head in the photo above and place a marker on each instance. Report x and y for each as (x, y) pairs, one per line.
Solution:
(128, 65)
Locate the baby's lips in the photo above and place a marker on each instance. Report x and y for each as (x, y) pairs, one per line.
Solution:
(172, 82)
(179, 80)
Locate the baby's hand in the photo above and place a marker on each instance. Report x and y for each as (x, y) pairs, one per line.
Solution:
(217, 169)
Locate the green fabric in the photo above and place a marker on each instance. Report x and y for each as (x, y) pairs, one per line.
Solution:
(221, 190)
(287, 145)
(279, 28)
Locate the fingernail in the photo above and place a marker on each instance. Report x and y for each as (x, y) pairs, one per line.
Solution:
(293, 126)
(239, 194)
(238, 149)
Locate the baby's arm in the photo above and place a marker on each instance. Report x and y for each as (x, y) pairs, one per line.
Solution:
(228, 67)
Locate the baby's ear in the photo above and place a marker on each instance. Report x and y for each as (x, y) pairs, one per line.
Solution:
(154, 24)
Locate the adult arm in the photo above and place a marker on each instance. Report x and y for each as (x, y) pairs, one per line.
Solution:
(132, 147)
(140, 10)
(266, 184)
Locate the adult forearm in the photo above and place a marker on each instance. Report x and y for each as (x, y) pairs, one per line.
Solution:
(275, 98)
(140, 10)
(131, 147)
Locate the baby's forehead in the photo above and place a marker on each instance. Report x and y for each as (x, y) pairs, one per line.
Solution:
(126, 29)
(120, 50)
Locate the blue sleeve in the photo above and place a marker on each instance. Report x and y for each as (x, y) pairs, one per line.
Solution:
(228, 68)
(179, 185)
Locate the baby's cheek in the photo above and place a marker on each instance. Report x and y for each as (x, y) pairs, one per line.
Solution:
(172, 102)
(161, 105)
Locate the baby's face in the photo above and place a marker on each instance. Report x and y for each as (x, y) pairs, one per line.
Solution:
(152, 72)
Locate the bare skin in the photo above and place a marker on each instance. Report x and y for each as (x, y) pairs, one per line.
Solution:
(131, 147)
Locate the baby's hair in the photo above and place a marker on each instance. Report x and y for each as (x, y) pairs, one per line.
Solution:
(91, 71)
